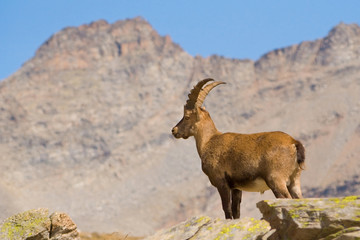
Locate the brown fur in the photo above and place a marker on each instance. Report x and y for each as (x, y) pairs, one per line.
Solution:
(250, 162)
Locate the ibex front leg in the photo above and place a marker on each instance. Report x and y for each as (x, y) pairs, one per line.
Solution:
(236, 195)
(225, 194)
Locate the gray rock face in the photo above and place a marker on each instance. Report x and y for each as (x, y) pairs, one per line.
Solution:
(318, 218)
(88, 121)
(204, 228)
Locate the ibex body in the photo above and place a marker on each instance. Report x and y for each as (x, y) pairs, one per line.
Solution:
(235, 162)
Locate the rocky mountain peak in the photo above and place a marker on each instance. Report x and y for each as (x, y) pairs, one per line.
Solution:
(344, 34)
(84, 46)
(340, 46)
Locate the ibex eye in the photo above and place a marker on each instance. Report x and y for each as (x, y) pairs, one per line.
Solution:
(187, 117)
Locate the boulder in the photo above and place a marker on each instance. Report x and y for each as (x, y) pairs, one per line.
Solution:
(38, 225)
(62, 227)
(32, 224)
(313, 218)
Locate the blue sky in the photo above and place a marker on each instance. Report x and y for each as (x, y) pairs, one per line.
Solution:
(234, 29)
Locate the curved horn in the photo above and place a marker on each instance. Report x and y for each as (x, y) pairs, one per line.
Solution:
(204, 92)
(194, 93)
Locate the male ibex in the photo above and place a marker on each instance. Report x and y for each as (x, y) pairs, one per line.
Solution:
(235, 162)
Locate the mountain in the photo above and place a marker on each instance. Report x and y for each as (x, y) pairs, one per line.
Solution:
(85, 125)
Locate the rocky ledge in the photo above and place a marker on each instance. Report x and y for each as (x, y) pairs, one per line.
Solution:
(312, 218)
(207, 228)
(305, 219)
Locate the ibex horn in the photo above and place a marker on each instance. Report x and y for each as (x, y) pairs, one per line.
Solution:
(204, 92)
(194, 93)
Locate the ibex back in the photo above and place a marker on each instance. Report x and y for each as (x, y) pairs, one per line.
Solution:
(235, 162)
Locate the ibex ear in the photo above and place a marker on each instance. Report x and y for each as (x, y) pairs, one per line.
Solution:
(198, 113)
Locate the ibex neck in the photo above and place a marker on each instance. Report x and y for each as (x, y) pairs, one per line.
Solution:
(205, 130)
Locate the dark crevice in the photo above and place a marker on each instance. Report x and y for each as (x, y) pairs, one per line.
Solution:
(201, 227)
(51, 228)
(119, 51)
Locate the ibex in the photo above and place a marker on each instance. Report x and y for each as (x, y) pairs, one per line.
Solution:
(235, 162)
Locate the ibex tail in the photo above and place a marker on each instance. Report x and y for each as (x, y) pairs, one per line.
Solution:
(300, 151)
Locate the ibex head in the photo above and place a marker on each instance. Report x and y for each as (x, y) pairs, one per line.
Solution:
(192, 109)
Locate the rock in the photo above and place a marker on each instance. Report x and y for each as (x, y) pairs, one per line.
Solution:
(351, 233)
(37, 225)
(199, 228)
(317, 218)
(305, 219)
(62, 227)
(34, 224)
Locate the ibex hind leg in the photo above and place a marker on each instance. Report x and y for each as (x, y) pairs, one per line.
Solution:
(295, 191)
(294, 187)
(278, 187)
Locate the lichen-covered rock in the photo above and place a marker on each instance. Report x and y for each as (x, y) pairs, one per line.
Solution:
(352, 233)
(322, 218)
(32, 224)
(38, 225)
(204, 228)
